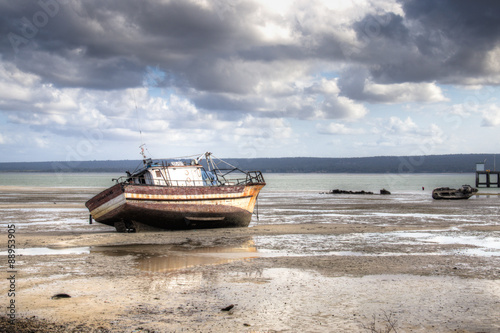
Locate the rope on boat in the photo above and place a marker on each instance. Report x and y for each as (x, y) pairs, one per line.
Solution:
(257, 206)
(178, 157)
(232, 166)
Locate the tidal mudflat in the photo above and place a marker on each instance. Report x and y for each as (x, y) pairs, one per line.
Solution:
(310, 263)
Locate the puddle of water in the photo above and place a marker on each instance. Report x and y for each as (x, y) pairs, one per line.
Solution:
(484, 245)
(166, 258)
(162, 258)
(181, 261)
(316, 245)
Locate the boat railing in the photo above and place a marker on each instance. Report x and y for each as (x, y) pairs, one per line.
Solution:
(251, 177)
(235, 177)
(255, 177)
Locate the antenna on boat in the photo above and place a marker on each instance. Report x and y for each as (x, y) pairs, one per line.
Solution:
(139, 124)
(143, 144)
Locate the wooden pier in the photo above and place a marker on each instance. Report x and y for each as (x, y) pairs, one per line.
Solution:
(487, 178)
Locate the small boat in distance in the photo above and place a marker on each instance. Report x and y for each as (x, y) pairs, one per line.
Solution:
(179, 195)
(446, 193)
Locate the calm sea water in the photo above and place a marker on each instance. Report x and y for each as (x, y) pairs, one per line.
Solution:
(50, 179)
(287, 199)
(275, 182)
(367, 182)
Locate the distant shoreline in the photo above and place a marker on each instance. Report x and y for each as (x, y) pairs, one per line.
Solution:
(455, 163)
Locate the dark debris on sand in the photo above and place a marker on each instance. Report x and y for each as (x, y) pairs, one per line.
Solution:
(36, 325)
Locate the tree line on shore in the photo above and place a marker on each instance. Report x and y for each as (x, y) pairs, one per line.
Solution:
(456, 163)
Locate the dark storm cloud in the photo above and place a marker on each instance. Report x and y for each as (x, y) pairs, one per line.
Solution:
(107, 45)
(387, 26)
(447, 41)
(471, 27)
(224, 102)
(217, 48)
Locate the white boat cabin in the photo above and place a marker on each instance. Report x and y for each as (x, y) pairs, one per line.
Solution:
(175, 174)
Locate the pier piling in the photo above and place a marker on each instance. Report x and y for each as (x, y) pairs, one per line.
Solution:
(487, 178)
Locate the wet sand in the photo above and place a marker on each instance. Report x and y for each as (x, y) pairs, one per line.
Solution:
(348, 275)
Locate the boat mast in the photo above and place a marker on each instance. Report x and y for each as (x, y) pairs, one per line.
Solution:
(144, 158)
(210, 162)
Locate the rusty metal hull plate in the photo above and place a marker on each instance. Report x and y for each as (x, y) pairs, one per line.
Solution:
(176, 207)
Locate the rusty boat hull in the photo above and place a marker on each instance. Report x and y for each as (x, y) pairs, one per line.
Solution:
(135, 207)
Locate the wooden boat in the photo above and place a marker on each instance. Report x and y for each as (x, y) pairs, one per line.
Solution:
(446, 193)
(179, 195)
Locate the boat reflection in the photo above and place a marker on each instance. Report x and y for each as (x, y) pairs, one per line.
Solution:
(167, 258)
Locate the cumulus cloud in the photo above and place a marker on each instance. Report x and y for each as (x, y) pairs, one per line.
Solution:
(337, 129)
(357, 84)
(396, 132)
(490, 115)
(217, 45)
(404, 92)
(72, 64)
(397, 126)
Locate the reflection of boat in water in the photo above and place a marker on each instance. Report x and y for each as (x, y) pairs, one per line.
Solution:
(446, 193)
(179, 195)
(197, 257)
(169, 257)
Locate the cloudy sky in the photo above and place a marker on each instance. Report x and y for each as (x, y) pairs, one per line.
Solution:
(95, 79)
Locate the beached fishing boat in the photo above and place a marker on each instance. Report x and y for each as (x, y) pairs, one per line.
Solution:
(179, 195)
(446, 193)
